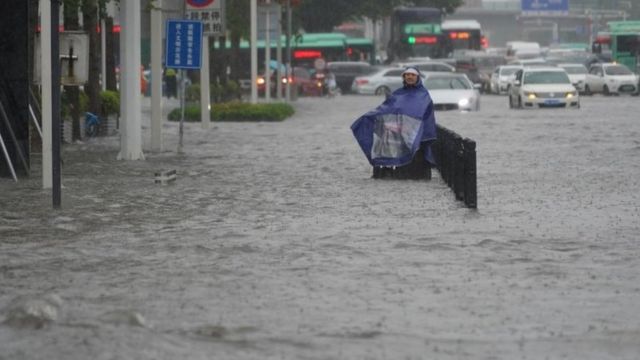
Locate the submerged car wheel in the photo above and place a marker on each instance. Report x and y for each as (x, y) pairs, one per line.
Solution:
(606, 91)
(587, 90)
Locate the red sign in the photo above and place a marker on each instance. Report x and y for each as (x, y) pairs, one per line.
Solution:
(426, 39)
(199, 3)
(306, 54)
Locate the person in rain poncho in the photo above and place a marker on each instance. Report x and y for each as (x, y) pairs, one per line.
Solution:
(401, 129)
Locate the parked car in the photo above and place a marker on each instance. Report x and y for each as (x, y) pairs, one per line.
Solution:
(346, 71)
(301, 79)
(452, 91)
(577, 75)
(381, 82)
(543, 87)
(610, 78)
(501, 78)
(478, 66)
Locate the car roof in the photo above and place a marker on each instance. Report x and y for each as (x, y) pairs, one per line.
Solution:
(572, 64)
(348, 63)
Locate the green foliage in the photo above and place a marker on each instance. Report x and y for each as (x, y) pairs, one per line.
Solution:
(67, 105)
(110, 102)
(217, 92)
(237, 111)
(192, 93)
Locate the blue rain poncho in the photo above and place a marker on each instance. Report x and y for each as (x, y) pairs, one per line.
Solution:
(391, 134)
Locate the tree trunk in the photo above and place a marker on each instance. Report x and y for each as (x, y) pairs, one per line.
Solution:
(112, 83)
(90, 17)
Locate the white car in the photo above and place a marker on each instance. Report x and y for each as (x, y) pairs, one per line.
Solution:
(501, 78)
(611, 78)
(577, 75)
(543, 87)
(427, 66)
(381, 82)
(452, 91)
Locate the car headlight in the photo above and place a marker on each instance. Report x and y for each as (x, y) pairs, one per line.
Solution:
(530, 95)
(463, 102)
(570, 95)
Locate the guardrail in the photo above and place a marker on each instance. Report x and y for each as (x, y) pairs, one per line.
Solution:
(456, 161)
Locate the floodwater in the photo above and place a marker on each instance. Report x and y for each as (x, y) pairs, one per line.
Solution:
(275, 243)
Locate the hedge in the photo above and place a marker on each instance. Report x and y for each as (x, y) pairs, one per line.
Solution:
(236, 111)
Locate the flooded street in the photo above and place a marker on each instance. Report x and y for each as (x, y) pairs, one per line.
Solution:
(275, 243)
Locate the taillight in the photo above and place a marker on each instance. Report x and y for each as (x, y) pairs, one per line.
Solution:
(362, 81)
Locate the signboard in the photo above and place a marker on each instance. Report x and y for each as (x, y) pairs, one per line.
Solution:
(545, 7)
(74, 58)
(210, 13)
(184, 44)
(274, 11)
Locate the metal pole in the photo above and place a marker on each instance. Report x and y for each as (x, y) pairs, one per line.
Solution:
(6, 156)
(55, 104)
(45, 65)
(156, 76)
(254, 50)
(205, 98)
(288, 90)
(267, 52)
(182, 75)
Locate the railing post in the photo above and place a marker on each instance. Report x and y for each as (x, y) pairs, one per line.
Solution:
(470, 188)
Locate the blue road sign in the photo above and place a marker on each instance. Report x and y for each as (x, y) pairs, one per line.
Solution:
(184, 44)
(550, 7)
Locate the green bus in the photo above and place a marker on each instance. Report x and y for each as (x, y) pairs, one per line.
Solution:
(624, 37)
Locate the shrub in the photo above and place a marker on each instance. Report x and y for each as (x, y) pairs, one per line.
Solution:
(110, 102)
(237, 111)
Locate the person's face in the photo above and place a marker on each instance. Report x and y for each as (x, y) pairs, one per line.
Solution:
(410, 79)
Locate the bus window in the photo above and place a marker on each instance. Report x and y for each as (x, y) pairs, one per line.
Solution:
(461, 34)
(415, 32)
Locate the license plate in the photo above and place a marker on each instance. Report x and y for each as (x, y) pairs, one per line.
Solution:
(626, 88)
(551, 101)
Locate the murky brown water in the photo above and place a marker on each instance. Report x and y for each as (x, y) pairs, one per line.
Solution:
(275, 243)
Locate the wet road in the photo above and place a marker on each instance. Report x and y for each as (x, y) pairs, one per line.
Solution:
(275, 243)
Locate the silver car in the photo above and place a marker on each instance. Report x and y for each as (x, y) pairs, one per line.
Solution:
(452, 91)
(501, 78)
(610, 78)
(577, 75)
(381, 82)
(537, 87)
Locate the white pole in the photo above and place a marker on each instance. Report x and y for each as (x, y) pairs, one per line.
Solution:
(47, 110)
(131, 138)
(156, 76)
(205, 100)
(267, 53)
(279, 59)
(6, 156)
(254, 50)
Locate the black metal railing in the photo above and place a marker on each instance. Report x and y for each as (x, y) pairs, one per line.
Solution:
(456, 161)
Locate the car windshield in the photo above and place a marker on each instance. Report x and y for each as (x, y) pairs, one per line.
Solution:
(617, 70)
(546, 77)
(440, 83)
(575, 69)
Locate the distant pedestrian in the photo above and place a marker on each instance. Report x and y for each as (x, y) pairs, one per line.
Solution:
(398, 133)
(170, 78)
